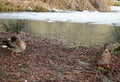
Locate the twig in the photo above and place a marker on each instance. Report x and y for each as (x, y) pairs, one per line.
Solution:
(5, 62)
(2, 78)
(7, 26)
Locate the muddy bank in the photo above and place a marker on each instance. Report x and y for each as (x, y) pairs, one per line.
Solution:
(51, 60)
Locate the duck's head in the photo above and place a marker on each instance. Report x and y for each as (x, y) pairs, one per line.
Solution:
(14, 38)
(107, 48)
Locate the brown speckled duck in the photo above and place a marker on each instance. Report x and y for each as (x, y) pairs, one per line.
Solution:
(15, 44)
(104, 58)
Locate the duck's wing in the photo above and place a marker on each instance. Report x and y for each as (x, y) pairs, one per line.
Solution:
(14, 45)
(105, 58)
(107, 55)
(98, 54)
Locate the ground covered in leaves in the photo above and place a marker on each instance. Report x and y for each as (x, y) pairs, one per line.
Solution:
(52, 60)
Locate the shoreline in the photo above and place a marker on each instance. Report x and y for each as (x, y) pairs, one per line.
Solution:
(48, 59)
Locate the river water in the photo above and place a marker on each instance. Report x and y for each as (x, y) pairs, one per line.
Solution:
(80, 33)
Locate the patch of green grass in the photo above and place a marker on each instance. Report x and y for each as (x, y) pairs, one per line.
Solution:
(103, 70)
(105, 79)
(3, 74)
(24, 70)
(75, 47)
(61, 70)
(117, 49)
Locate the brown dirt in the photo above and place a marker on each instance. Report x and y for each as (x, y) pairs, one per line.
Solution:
(51, 60)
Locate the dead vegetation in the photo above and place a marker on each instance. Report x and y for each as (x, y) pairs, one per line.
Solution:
(80, 5)
(22, 5)
(51, 60)
(46, 5)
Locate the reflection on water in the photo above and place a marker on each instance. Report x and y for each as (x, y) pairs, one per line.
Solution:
(84, 34)
(12, 25)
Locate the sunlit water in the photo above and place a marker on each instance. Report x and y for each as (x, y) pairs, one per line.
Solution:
(79, 33)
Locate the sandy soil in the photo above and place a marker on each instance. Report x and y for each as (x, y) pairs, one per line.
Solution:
(51, 60)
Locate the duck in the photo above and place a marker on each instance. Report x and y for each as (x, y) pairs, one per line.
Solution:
(15, 44)
(104, 57)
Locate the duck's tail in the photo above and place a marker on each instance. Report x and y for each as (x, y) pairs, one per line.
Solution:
(107, 47)
(5, 44)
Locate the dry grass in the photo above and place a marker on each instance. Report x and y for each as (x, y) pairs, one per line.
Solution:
(102, 5)
(45, 5)
(117, 3)
(12, 5)
(110, 2)
(80, 5)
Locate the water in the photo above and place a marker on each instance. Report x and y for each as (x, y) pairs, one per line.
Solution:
(79, 33)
